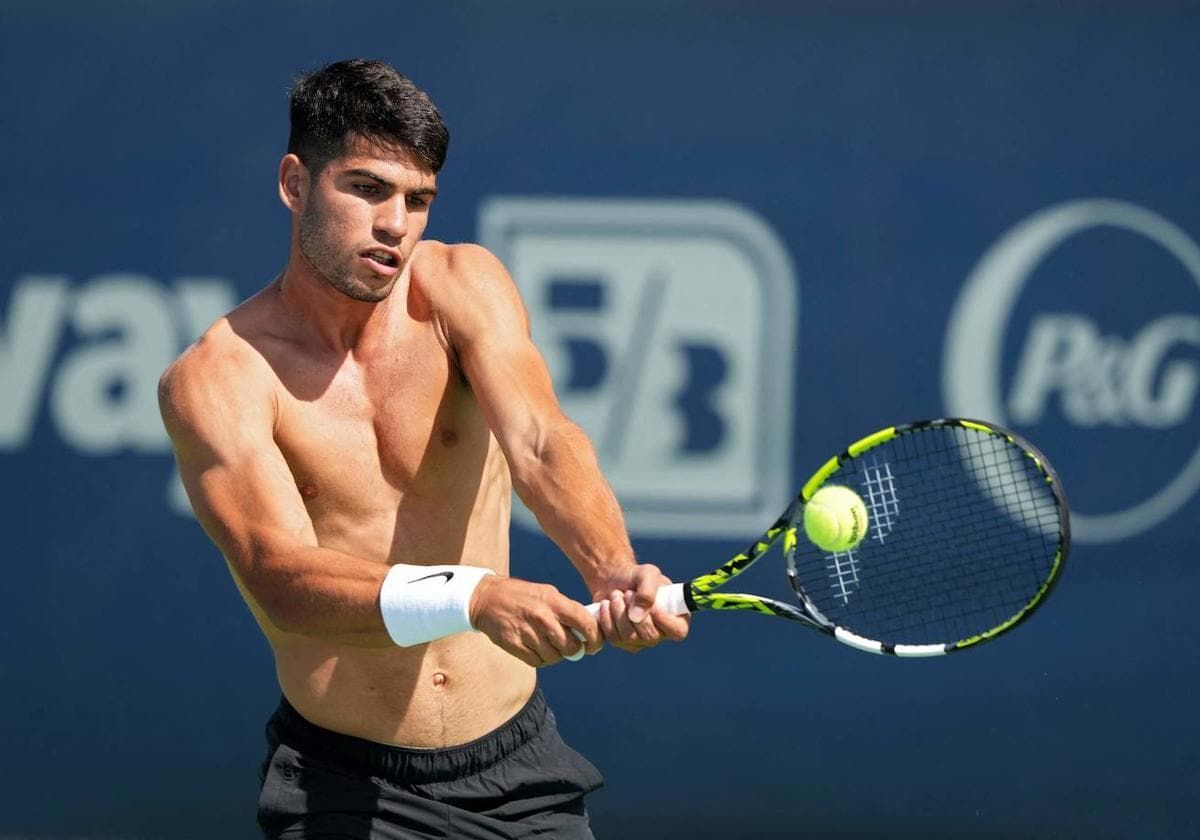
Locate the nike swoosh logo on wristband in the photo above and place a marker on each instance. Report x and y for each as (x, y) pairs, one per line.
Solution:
(449, 576)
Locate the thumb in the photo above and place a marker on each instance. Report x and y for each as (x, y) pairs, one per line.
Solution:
(641, 601)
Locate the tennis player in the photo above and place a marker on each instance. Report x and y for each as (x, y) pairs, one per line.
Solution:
(349, 438)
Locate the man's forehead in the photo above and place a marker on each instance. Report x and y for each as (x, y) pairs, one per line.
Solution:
(391, 162)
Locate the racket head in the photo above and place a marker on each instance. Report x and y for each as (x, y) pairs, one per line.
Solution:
(704, 592)
(969, 531)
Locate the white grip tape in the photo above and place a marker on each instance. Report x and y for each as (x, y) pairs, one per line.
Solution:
(423, 603)
(669, 599)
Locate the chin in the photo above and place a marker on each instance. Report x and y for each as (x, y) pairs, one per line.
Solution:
(356, 289)
(369, 295)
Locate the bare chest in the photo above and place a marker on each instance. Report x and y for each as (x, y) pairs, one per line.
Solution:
(370, 440)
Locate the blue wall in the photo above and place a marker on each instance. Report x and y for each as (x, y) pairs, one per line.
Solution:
(891, 155)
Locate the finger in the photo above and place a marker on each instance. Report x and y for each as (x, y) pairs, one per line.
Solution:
(561, 639)
(542, 648)
(580, 648)
(673, 627)
(570, 648)
(526, 655)
(647, 632)
(633, 636)
(632, 627)
(577, 655)
(616, 608)
(583, 626)
(605, 620)
(645, 589)
(515, 645)
(623, 632)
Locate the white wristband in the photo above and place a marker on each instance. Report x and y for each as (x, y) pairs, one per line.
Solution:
(423, 603)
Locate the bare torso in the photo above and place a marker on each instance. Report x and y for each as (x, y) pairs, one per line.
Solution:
(395, 462)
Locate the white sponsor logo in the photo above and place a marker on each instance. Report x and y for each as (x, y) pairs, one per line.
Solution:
(670, 331)
(1100, 380)
(101, 394)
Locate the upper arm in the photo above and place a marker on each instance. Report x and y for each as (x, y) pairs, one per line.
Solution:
(217, 405)
(488, 329)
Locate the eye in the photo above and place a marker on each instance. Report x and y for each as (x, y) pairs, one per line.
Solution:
(418, 202)
(367, 189)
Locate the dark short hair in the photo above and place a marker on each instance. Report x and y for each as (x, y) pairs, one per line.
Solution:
(369, 99)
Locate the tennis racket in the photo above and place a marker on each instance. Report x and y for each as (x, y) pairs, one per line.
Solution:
(968, 531)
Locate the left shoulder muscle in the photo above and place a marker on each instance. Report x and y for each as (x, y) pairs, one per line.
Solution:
(470, 294)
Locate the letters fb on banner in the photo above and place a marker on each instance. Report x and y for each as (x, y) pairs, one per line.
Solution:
(669, 327)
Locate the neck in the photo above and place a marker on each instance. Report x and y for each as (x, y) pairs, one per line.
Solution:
(330, 317)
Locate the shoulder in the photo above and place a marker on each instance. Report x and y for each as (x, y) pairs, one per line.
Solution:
(215, 357)
(219, 377)
(459, 265)
(229, 355)
(469, 291)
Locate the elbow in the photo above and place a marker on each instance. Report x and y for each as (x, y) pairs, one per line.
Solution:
(264, 586)
(285, 611)
(283, 616)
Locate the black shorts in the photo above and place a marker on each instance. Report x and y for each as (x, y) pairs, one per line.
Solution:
(519, 781)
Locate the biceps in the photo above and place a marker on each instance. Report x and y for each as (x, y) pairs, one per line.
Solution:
(513, 387)
(246, 503)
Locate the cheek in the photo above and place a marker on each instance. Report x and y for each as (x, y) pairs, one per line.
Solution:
(334, 221)
(416, 224)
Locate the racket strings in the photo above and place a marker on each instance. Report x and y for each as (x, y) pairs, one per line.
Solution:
(963, 536)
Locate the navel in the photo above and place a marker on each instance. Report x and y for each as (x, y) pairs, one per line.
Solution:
(449, 437)
(439, 679)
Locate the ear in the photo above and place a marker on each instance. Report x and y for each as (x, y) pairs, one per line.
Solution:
(294, 183)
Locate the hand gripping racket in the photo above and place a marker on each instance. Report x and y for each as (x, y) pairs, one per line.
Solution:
(968, 531)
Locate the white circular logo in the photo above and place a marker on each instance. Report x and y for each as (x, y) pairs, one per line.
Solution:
(979, 321)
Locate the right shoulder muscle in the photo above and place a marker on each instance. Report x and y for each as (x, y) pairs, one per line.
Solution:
(217, 380)
(218, 406)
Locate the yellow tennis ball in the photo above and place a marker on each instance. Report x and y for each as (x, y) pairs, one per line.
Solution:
(835, 518)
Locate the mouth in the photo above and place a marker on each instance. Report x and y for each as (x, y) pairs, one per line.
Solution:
(381, 258)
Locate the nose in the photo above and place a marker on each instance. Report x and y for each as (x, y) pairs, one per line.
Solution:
(391, 220)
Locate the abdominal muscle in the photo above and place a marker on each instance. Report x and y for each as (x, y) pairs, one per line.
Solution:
(444, 693)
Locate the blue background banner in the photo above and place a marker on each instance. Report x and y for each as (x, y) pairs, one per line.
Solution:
(779, 226)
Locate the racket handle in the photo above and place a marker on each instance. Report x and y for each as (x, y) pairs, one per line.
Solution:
(669, 599)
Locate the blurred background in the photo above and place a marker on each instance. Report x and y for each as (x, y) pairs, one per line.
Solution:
(747, 233)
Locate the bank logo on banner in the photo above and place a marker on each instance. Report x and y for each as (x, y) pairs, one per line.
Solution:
(1128, 399)
(669, 327)
(92, 353)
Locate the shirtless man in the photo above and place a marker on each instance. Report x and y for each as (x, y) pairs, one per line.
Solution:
(349, 438)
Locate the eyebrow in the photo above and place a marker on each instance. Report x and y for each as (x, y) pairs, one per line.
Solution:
(366, 173)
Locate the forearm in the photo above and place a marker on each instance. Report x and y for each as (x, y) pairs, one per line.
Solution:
(339, 598)
(559, 479)
(318, 592)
